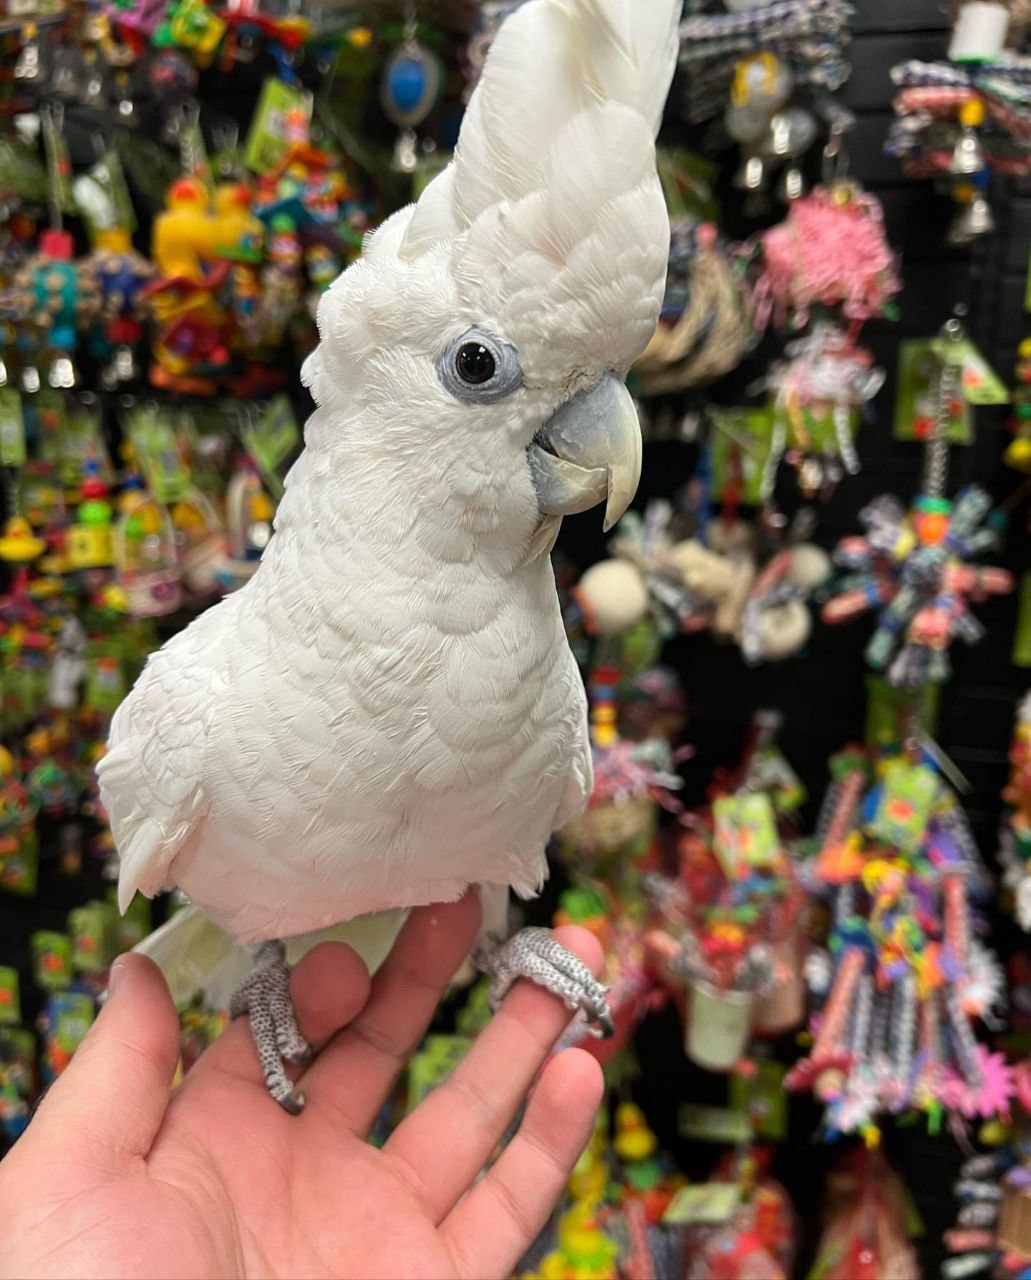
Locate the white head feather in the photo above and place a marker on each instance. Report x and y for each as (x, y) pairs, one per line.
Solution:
(549, 227)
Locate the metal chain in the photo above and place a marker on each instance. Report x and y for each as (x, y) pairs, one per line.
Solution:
(936, 457)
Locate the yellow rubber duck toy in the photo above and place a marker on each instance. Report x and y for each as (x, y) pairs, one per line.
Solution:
(18, 544)
(584, 1252)
(634, 1140)
(236, 234)
(184, 233)
(590, 1176)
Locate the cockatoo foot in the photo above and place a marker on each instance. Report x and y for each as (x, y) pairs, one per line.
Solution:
(535, 954)
(264, 996)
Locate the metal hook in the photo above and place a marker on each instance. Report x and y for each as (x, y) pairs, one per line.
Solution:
(411, 25)
(953, 329)
(834, 161)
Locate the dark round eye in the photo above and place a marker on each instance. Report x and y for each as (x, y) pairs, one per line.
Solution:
(477, 368)
(475, 364)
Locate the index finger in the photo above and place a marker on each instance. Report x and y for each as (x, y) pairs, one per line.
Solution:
(470, 1112)
(351, 1078)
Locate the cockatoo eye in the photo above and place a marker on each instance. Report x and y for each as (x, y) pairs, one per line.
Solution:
(475, 363)
(479, 369)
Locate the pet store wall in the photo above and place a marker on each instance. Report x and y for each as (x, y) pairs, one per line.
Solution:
(806, 646)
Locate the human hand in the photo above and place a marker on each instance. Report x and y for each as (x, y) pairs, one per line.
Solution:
(118, 1175)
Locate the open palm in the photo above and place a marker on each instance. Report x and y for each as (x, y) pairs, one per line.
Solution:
(118, 1175)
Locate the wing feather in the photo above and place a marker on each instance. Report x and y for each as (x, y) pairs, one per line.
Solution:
(151, 777)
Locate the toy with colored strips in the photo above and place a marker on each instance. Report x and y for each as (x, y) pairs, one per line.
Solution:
(896, 857)
(965, 121)
(725, 934)
(915, 567)
(1015, 842)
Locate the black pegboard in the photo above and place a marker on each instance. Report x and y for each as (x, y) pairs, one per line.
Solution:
(822, 692)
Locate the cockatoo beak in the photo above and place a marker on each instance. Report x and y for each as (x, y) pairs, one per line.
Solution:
(589, 452)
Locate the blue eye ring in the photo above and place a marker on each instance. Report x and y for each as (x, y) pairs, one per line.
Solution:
(478, 368)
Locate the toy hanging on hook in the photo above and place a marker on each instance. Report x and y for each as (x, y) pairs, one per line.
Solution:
(964, 119)
(776, 65)
(57, 295)
(411, 85)
(830, 251)
(914, 567)
(820, 393)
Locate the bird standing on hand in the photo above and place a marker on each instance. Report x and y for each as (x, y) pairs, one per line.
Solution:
(388, 711)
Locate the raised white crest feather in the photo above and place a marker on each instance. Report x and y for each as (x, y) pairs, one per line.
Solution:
(586, 56)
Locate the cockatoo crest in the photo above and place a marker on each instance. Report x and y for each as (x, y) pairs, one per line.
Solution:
(549, 226)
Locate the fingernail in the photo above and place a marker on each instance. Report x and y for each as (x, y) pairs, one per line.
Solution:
(116, 978)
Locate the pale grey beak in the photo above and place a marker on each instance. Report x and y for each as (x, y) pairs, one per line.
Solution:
(589, 452)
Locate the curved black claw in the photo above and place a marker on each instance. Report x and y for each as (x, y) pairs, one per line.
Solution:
(292, 1104)
(264, 996)
(536, 955)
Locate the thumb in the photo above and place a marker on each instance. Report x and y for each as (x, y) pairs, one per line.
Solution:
(111, 1098)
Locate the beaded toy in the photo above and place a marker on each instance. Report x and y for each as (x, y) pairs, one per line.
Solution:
(914, 567)
(895, 854)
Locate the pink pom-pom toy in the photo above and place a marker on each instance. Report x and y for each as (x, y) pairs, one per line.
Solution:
(829, 251)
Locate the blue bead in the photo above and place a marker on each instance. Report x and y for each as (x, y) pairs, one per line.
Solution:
(406, 84)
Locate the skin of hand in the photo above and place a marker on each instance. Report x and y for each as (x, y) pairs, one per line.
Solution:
(120, 1175)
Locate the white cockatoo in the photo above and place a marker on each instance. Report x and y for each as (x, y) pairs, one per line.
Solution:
(388, 711)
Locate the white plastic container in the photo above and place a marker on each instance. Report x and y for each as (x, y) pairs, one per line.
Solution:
(718, 1025)
(980, 31)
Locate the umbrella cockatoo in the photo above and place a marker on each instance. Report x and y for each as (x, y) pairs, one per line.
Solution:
(388, 711)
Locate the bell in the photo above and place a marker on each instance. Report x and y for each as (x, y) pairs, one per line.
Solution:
(973, 220)
(792, 185)
(406, 152)
(967, 157)
(61, 375)
(29, 69)
(779, 142)
(752, 175)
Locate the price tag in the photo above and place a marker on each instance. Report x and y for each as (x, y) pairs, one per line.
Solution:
(52, 959)
(714, 1124)
(82, 441)
(1022, 635)
(157, 451)
(916, 403)
(705, 1205)
(738, 452)
(746, 831)
(73, 1014)
(10, 1002)
(12, 429)
(979, 382)
(270, 439)
(764, 1098)
(903, 811)
(268, 139)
